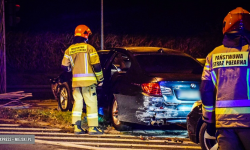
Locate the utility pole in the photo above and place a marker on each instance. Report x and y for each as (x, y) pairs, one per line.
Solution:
(102, 36)
(2, 49)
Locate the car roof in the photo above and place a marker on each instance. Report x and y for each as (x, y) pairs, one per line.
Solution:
(144, 50)
(137, 50)
(103, 51)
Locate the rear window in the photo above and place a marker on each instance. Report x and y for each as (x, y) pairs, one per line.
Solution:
(169, 64)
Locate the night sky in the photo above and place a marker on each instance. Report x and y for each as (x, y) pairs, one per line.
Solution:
(143, 17)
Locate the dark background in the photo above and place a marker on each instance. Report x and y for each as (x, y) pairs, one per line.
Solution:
(138, 17)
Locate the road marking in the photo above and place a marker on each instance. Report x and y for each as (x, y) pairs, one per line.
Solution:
(53, 136)
(136, 145)
(77, 146)
(9, 125)
(93, 147)
(85, 137)
(33, 129)
(110, 139)
(81, 135)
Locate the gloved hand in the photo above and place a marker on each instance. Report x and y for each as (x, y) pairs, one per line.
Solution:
(211, 130)
(100, 84)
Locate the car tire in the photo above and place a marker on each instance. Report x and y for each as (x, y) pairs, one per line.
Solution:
(118, 125)
(65, 101)
(206, 141)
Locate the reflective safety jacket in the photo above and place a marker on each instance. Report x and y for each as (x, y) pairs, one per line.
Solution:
(225, 87)
(84, 62)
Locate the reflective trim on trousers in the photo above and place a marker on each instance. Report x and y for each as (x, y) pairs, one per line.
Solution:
(94, 115)
(76, 113)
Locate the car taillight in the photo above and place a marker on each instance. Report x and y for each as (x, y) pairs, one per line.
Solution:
(152, 89)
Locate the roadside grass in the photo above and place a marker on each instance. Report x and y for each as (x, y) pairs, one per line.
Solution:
(46, 118)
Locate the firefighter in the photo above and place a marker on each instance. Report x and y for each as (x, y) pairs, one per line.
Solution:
(82, 59)
(225, 84)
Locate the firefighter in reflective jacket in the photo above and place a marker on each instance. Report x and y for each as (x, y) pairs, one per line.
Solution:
(225, 84)
(83, 60)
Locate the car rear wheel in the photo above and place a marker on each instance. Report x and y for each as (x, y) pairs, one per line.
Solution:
(65, 99)
(206, 141)
(114, 115)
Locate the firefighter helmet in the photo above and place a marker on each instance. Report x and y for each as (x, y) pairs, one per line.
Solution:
(237, 20)
(83, 31)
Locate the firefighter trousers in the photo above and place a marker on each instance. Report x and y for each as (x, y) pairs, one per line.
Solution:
(88, 94)
(233, 139)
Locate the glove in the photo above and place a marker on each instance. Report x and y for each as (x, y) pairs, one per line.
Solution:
(100, 84)
(211, 130)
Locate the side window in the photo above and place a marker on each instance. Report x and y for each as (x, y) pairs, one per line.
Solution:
(121, 63)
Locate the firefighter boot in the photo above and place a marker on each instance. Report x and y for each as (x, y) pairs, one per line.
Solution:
(95, 130)
(78, 129)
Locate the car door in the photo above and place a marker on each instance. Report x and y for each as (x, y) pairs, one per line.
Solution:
(123, 89)
(103, 91)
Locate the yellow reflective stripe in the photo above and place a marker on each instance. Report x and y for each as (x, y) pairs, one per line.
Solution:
(208, 108)
(83, 78)
(98, 73)
(93, 54)
(236, 110)
(94, 115)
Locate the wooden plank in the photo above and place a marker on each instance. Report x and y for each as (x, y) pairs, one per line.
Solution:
(17, 94)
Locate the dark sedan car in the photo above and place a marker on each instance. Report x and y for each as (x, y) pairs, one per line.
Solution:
(197, 128)
(146, 85)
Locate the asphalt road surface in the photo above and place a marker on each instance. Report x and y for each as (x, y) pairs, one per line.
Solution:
(52, 138)
(171, 139)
